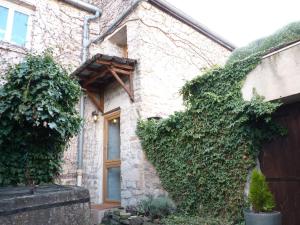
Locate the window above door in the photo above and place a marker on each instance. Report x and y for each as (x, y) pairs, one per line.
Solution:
(15, 23)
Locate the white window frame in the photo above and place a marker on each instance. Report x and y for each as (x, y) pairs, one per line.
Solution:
(12, 7)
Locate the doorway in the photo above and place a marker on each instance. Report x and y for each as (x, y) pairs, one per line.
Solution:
(280, 162)
(112, 161)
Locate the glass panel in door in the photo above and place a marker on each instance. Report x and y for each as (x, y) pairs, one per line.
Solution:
(113, 184)
(113, 152)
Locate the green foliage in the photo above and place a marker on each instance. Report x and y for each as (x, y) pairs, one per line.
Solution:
(194, 220)
(156, 208)
(287, 34)
(260, 196)
(37, 119)
(203, 154)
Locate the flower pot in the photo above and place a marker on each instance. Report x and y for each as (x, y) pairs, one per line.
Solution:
(269, 218)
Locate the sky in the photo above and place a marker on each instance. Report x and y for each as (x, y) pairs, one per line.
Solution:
(241, 21)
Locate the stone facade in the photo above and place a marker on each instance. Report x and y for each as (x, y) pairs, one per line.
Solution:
(168, 53)
(111, 10)
(54, 25)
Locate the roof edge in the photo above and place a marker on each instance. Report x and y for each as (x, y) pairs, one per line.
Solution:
(183, 17)
(104, 57)
(175, 13)
(281, 48)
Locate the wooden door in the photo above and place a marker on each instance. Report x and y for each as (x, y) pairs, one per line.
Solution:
(280, 162)
(112, 161)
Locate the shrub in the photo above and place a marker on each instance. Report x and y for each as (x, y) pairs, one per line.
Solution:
(194, 220)
(37, 119)
(156, 207)
(260, 196)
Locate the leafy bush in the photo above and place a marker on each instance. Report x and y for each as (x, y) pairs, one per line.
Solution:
(260, 196)
(287, 34)
(156, 207)
(194, 220)
(37, 119)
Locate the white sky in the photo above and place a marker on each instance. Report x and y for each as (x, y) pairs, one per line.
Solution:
(241, 21)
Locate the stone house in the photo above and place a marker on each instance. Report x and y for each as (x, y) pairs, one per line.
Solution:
(131, 59)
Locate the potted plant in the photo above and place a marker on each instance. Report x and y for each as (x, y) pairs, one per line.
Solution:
(262, 202)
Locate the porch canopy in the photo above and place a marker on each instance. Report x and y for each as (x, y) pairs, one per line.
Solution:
(101, 70)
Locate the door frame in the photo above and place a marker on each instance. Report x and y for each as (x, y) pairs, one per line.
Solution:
(109, 163)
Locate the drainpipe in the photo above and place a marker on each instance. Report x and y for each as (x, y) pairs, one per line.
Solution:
(85, 45)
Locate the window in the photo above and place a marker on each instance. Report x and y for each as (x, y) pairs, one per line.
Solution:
(3, 21)
(112, 162)
(119, 38)
(14, 23)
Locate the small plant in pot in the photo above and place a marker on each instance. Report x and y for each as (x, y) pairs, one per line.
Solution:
(262, 202)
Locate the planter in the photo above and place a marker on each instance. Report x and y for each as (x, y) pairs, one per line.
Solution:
(271, 218)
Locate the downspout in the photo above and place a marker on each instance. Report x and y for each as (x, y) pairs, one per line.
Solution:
(85, 46)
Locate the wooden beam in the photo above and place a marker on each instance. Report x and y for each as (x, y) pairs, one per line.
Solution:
(93, 70)
(98, 103)
(131, 84)
(94, 78)
(122, 83)
(101, 99)
(103, 62)
(123, 66)
(108, 63)
(126, 72)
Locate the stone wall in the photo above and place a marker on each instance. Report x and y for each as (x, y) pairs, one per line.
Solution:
(132, 158)
(111, 11)
(55, 25)
(55, 205)
(168, 53)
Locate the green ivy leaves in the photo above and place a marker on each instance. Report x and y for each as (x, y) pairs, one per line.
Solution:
(288, 34)
(203, 155)
(37, 118)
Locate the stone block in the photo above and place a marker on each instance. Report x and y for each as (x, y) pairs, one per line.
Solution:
(51, 204)
(136, 220)
(124, 215)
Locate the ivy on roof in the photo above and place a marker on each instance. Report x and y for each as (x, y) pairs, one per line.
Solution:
(289, 33)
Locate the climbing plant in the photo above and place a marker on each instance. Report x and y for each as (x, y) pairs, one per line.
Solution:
(203, 154)
(287, 34)
(37, 119)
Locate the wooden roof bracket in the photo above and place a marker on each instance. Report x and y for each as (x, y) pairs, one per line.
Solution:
(115, 71)
(98, 101)
(91, 80)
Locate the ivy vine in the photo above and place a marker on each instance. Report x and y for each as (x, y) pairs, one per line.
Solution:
(203, 154)
(37, 119)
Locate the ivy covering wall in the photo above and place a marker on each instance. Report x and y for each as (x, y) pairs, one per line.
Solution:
(37, 119)
(203, 154)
